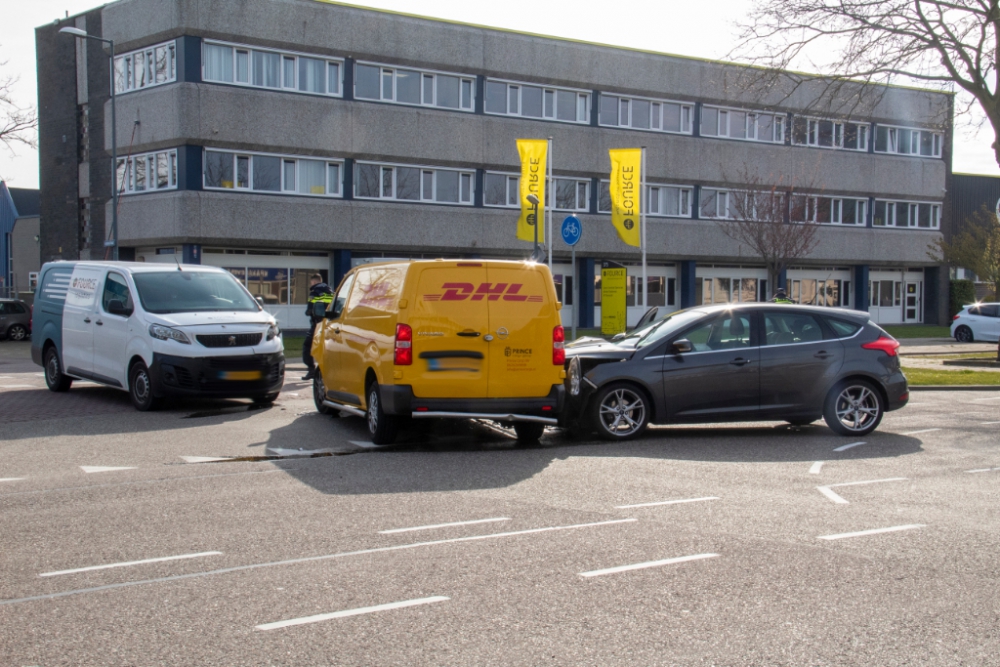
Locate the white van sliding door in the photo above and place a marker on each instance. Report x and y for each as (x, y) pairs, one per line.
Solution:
(78, 321)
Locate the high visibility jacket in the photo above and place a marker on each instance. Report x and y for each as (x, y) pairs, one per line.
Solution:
(780, 300)
(318, 294)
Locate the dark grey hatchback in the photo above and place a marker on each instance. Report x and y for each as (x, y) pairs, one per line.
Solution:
(743, 362)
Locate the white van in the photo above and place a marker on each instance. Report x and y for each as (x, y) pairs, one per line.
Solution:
(155, 330)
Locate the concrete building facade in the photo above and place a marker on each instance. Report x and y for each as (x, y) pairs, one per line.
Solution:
(289, 136)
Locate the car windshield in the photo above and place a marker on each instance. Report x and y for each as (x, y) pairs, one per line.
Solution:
(666, 327)
(192, 291)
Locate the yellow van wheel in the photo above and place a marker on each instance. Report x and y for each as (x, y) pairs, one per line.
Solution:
(319, 395)
(381, 427)
(528, 432)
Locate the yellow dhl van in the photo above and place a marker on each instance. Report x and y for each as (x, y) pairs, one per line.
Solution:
(442, 339)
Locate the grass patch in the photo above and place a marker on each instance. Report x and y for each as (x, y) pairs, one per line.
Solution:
(978, 356)
(917, 331)
(925, 376)
(293, 345)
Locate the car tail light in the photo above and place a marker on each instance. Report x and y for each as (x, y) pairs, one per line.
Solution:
(955, 317)
(404, 345)
(885, 344)
(558, 346)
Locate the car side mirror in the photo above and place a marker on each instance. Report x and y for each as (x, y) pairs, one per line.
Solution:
(319, 309)
(331, 314)
(681, 346)
(619, 336)
(116, 307)
(259, 299)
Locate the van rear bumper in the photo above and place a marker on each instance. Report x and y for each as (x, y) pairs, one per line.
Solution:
(399, 400)
(218, 377)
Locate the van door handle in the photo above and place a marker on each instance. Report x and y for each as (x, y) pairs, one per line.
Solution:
(740, 361)
(469, 334)
(99, 323)
(336, 331)
(87, 320)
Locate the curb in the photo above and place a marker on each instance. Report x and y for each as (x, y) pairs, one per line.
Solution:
(955, 387)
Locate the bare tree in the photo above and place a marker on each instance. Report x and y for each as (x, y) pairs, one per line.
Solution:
(17, 123)
(758, 218)
(943, 43)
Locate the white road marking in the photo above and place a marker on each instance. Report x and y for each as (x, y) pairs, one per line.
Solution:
(991, 398)
(977, 470)
(874, 531)
(92, 469)
(832, 495)
(667, 502)
(17, 386)
(364, 444)
(816, 468)
(441, 525)
(642, 566)
(988, 423)
(205, 459)
(310, 559)
(11, 479)
(926, 430)
(130, 563)
(351, 612)
(846, 447)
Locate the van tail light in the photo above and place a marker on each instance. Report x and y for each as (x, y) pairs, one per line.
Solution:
(885, 344)
(558, 346)
(404, 345)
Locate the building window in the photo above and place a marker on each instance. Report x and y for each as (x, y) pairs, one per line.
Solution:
(646, 114)
(501, 189)
(907, 141)
(831, 293)
(151, 66)
(147, 172)
(742, 124)
(418, 87)
(919, 215)
(261, 172)
(825, 133)
(714, 204)
(413, 183)
(672, 201)
(281, 70)
(511, 98)
(828, 210)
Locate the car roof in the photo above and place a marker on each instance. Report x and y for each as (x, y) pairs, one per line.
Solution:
(142, 267)
(813, 310)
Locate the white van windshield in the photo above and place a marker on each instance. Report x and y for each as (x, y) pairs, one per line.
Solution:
(191, 291)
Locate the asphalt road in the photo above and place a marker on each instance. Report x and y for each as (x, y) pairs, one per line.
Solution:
(306, 545)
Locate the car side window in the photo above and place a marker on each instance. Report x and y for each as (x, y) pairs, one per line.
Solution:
(788, 328)
(973, 311)
(116, 289)
(337, 307)
(729, 331)
(843, 328)
(990, 311)
(16, 309)
(3, 308)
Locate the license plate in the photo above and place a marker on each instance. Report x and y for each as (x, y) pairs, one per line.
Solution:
(239, 375)
(459, 364)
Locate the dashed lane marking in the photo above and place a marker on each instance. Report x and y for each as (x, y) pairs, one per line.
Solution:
(814, 470)
(977, 470)
(846, 447)
(204, 459)
(667, 502)
(642, 566)
(11, 479)
(130, 563)
(988, 423)
(874, 531)
(832, 495)
(441, 525)
(93, 469)
(926, 430)
(351, 612)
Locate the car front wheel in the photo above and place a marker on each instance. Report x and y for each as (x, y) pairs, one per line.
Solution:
(963, 334)
(620, 411)
(853, 408)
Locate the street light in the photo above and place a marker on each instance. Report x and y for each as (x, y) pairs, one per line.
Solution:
(533, 200)
(76, 32)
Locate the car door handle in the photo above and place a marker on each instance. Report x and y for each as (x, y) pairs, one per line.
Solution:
(87, 320)
(469, 334)
(740, 361)
(822, 355)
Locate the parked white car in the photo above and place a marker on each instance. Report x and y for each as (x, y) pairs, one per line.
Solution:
(977, 321)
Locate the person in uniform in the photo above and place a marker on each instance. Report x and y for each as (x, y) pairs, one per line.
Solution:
(319, 292)
(781, 297)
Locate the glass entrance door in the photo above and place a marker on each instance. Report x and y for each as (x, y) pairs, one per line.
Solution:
(913, 302)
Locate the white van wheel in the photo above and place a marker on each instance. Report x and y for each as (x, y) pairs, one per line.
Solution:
(140, 388)
(54, 378)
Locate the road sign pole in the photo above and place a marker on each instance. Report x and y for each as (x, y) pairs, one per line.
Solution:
(575, 292)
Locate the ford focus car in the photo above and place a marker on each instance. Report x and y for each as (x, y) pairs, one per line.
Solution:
(745, 362)
(977, 322)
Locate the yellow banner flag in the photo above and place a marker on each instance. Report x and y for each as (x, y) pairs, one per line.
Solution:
(533, 153)
(625, 180)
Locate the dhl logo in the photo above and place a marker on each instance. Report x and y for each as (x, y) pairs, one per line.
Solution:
(488, 291)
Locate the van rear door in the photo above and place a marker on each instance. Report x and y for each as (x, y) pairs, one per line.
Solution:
(449, 326)
(522, 316)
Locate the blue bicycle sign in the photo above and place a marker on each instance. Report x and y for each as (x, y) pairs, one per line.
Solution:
(572, 230)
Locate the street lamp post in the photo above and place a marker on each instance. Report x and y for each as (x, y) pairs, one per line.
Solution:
(76, 32)
(533, 200)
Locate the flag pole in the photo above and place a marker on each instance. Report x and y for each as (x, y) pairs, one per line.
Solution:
(642, 224)
(552, 201)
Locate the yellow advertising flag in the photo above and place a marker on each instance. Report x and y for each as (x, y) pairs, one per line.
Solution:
(625, 179)
(533, 154)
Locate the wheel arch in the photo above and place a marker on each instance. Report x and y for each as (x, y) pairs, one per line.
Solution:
(654, 412)
(867, 378)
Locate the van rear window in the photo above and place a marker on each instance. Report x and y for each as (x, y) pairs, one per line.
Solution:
(55, 284)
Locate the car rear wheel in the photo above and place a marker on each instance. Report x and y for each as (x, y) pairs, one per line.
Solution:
(963, 334)
(319, 395)
(620, 411)
(140, 388)
(854, 408)
(381, 427)
(528, 433)
(17, 332)
(54, 378)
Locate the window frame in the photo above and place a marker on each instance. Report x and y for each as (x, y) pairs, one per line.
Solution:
(837, 203)
(915, 134)
(839, 138)
(779, 118)
(510, 177)
(912, 214)
(689, 189)
(422, 72)
(127, 185)
(423, 169)
(283, 85)
(284, 159)
(554, 118)
(685, 106)
(127, 61)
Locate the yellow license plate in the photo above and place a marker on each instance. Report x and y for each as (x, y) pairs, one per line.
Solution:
(240, 375)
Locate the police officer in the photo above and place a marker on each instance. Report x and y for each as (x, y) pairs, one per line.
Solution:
(319, 292)
(781, 297)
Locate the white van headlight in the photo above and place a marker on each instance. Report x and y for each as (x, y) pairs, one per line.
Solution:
(168, 333)
(574, 376)
(273, 331)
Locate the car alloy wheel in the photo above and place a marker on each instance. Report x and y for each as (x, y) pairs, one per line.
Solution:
(381, 427)
(17, 332)
(963, 334)
(621, 412)
(857, 409)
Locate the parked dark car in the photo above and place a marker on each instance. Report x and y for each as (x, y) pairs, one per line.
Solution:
(743, 362)
(15, 319)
